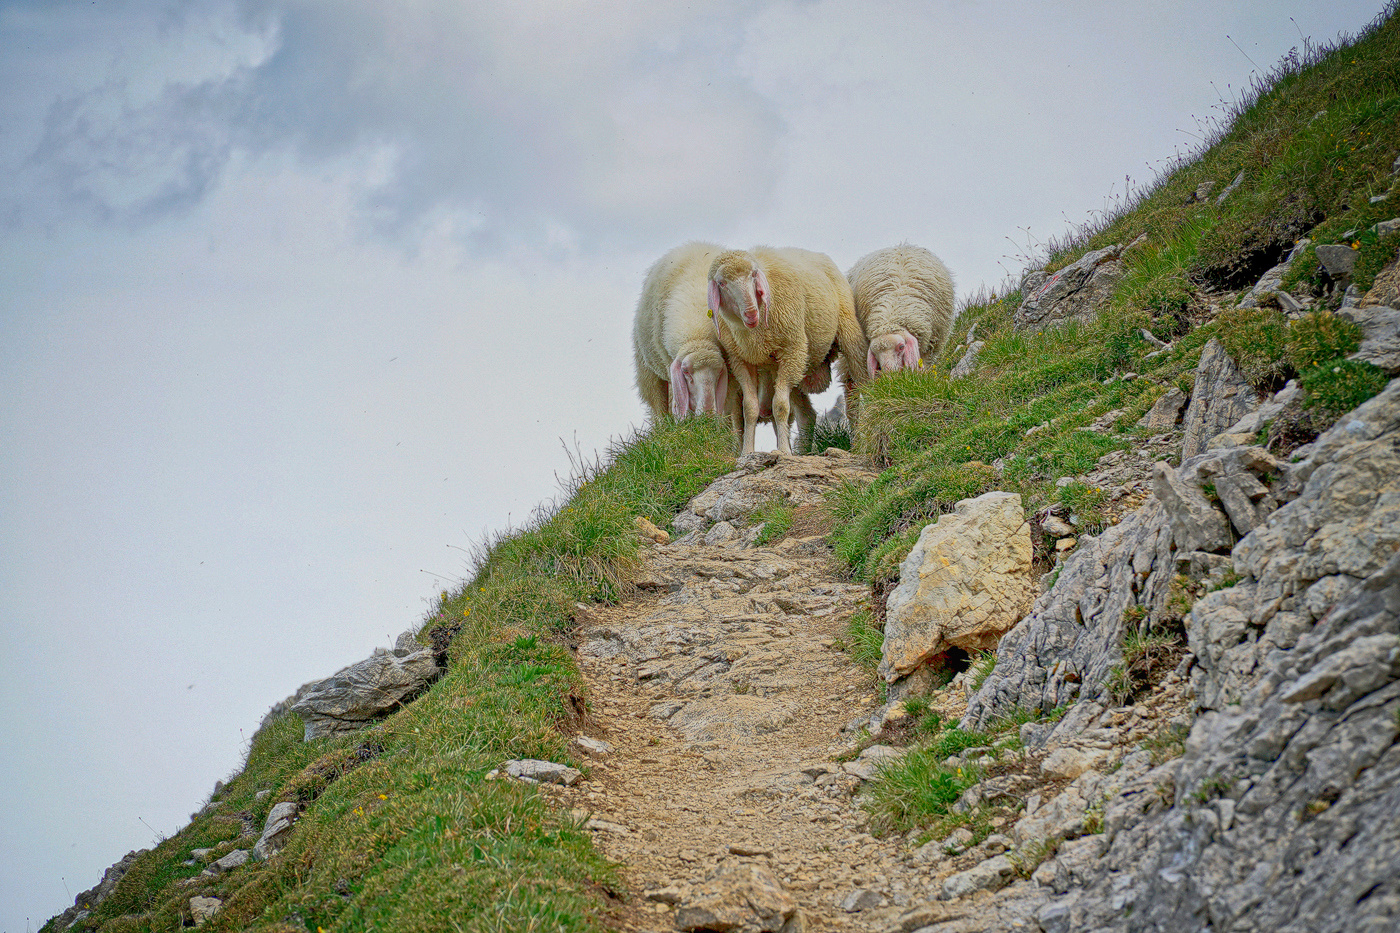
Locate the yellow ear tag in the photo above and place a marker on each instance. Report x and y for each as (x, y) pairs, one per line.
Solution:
(710, 313)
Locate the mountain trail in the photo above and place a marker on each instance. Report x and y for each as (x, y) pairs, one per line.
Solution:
(723, 690)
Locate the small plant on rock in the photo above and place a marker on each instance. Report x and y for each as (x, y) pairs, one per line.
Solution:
(1086, 505)
(864, 641)
(1167, 744)
(1033, 854)
(775, 516)
(1319, 338)
(1336, 389)
(983, 663)
(1257, 340)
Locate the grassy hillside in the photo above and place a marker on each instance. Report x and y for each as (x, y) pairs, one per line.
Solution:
(400, 829)
(1315, 143)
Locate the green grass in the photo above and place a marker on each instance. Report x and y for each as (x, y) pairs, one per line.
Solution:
(776, 518)
(864, 641)
(400, 829)
(908, 793)
(1022, 422)
(918, 790)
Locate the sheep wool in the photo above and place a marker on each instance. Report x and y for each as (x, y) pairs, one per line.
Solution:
(782, 312)
(680, 366)
(904, 302)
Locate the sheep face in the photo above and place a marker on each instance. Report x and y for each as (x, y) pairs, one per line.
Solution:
(890, 352)
(739, 290)
(697, 388)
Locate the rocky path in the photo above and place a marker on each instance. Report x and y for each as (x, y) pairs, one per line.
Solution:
(723, 691)
(724, 696)
(729, 782)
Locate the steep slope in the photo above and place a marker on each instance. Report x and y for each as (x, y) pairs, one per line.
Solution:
(1193, 727)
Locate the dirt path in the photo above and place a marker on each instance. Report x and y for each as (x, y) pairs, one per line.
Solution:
(723, 690)
(728, 700)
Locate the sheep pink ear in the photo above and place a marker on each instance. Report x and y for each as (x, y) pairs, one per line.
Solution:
(721, 389)
(714, 296)
(760, 292)
(871, 363)
(909, 352)
(680, 390)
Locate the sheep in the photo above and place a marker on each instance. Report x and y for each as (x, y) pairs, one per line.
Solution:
(680, 366)
(785, 311)
(904, 302)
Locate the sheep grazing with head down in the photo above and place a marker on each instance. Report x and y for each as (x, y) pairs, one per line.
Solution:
(904, 302)
(782, 310)
(680, 366)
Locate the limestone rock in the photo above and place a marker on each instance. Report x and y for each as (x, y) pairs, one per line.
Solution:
(1220, 397)
(1380, 339)
(992, 874)
(543, 772)
(1230, 188)
(593, 748)
(1281, 814)
(1076, 292)
(764, 477)
(743, 898)
(1069, 761)
(1385, 288)
(968, 362)
(202, 908)
(1074, 863)
(275, 830)
(1271, 282)
(229, 862)
(647, 531)
(1337, 258)
(99, 892)
(1069, 641)
(356, 695)
(966, 582)
(860, 899)
(1165, 412)
(1243, 432)
(1197, 525)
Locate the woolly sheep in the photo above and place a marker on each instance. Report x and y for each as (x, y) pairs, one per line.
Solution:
(680, 366)
(782, 310)
(904, 302)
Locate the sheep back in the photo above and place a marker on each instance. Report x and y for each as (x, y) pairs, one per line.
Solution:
(904, 287)
(672, 321)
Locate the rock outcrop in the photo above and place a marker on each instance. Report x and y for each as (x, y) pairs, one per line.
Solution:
(1067, 644)
(1284, 805)
(964, 584)
(355, 696)
(1220, 397)
(1075, 293)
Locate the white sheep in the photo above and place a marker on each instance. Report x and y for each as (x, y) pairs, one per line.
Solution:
(782, 310)
(904, 302)
(680, 366)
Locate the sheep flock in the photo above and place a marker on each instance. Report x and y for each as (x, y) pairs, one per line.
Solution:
(751, 335)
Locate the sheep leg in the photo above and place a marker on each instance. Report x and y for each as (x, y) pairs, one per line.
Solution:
(854, 350)
(806, 420)
(747, 377)
(789, 375)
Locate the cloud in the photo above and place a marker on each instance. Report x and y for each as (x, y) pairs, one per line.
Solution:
(534, 122)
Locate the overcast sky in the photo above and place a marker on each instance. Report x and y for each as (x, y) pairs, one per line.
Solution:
(298, 300)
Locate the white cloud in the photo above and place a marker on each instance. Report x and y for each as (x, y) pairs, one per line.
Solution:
(608, 122)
